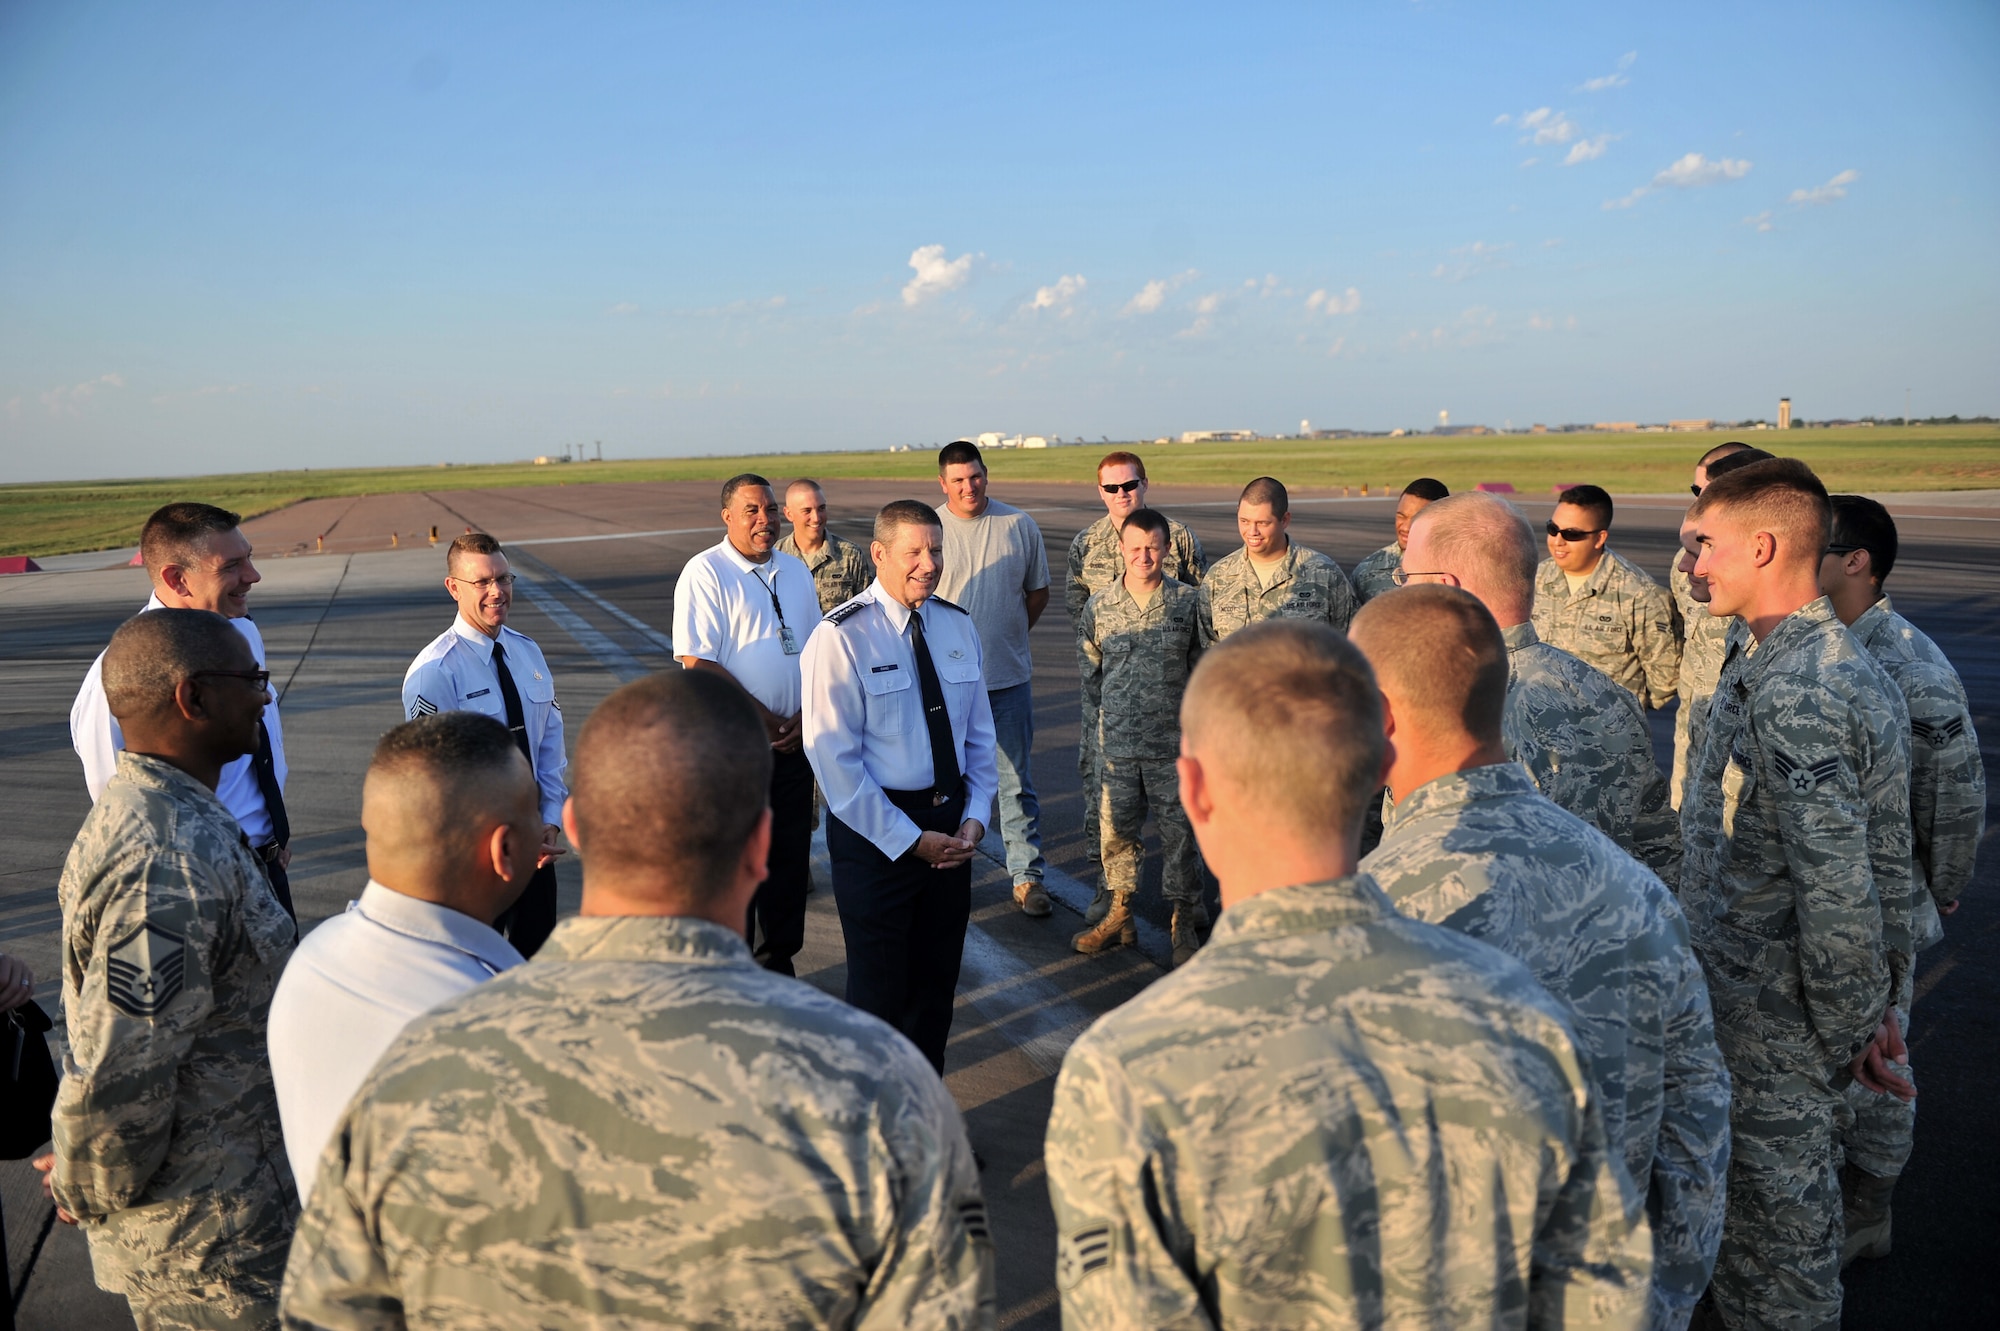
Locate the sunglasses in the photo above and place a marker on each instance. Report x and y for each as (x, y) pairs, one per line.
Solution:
(1843, 549)
(261, 678)
(1121, 487)
(1695, 490)
(1573, 534)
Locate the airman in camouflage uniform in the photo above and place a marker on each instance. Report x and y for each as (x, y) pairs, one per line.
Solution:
(1797, 888)
(167, 1146)
(1481, 851)
(1377, 573)
(841, 569)
(642, 1126)
(1704, 637)
(1305, 585)
(1619, 620)
(1094, 564)
(1135, 661)
(1234, 1147)
(1585, 741)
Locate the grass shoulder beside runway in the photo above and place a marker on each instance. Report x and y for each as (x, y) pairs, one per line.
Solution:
(59, 518)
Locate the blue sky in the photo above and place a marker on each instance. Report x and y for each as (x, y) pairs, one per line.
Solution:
(236, 236)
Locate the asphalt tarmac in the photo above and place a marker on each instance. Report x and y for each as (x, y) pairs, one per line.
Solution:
(352, 591)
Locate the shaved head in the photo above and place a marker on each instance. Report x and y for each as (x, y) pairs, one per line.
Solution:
(672, 775)
(1287, 715)
(803, 485)
(436, 789)
(154, 651)
(1486, 544)
(1440, 659)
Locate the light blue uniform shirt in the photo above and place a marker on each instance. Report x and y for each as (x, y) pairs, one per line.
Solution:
(346, 994)
(455, 674)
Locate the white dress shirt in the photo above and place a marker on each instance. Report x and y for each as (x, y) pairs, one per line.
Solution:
(864, 713)
(94, 733)
(724, 612)
(347, 993)
(455, 674)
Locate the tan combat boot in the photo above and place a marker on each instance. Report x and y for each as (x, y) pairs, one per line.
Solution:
(1189, 921)
(1100, 904)
(1116, 929)
(1865, 1202)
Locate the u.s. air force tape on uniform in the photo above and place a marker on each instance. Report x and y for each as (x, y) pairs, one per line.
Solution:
(143, 971)
(1082, 1251)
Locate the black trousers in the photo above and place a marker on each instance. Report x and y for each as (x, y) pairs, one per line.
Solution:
(904, 923)
(528, 923)
(281, 885)
(778, 912)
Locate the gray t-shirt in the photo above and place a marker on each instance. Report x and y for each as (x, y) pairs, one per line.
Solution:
(991, 562)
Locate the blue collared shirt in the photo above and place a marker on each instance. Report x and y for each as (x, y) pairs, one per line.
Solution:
(455, 674)
(349, 990)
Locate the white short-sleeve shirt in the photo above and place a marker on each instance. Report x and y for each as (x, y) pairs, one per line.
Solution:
(733, 611)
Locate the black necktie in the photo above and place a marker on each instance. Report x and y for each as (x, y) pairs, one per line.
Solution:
(944, 757)
(517, 720)
(265, 765)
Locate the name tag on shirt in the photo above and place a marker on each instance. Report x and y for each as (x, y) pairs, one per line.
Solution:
(788, 639)
(480, 694)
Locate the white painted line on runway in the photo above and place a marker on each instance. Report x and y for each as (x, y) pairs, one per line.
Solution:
(1032, 1011)
(613, 536)
(631, 621)
(609, 654)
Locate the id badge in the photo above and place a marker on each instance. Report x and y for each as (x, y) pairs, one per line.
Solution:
(788, 639)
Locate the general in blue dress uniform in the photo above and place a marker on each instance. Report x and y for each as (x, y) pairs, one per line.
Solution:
(900, 735)
(481, 665)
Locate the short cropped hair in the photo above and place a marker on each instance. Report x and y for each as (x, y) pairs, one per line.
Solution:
(1592, 499)
(1864, 524)
(672, 773)
(1267, 490)
(1742, 457)
(175, 533)
(737, 482)
(472, 543)
(805, 483)
(1482, 539)
(1287, 711)
(1426, 489)
(152, 652)
(1783, 494)
(904, 513)
(1121, 458)
(960, 452)
(1720, 451)
(1146, 520)
(1439, 651)
(453, 767)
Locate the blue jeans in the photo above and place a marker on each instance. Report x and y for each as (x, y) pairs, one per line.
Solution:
(1016, 808)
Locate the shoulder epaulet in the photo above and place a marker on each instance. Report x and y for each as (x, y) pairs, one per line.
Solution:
(840, 614)
(939, 600)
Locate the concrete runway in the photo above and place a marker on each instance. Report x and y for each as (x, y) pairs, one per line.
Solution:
(599, 564)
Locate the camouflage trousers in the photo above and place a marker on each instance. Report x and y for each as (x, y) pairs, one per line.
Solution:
(246, 1303)
(1128, 788)
(1087, 758)
(1684, 741)
(1779, 1265)
(1883, 1129)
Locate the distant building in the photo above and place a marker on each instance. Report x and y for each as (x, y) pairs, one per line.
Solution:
(1705, 424)
(1217, 436)
(1538, 429)
(548, 460)
(990, 439)
(1034, 441)
(1784, 413)
(1455, 430)
(1617, 427)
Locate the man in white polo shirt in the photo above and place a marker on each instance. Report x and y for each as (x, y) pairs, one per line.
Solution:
(454, 825)
(743, 608)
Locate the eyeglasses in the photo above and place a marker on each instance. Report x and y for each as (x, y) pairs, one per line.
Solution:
(487, 584)
(1573, 534)
(1401, 577)
(1844, 549)
(1695, 490)
(1121, 487)
(261, 678)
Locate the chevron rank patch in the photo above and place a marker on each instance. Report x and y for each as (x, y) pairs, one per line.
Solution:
(1082, 1251)
(972, 1214)
(422, 707)
(1803, 778)
(143, 971)
(1937, 736)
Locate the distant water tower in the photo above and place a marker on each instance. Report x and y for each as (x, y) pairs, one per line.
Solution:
(1784, 413)
(1444, 419)
(1305, 429)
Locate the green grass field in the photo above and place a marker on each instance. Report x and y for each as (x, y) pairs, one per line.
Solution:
(61, 518)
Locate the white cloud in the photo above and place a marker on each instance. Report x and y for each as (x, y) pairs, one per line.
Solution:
(1587, 150)
(1529, 161)
(1762, 221)
(70, 399)
(1475, 327)
(1335, 349)
(1204, 315)
(1693, 171)
(623, 307)
(1473, 258)
(1547, 126)
(1615, 79)
(1058, 296)
(935, 274)
(1154, 294)
(1334, 302)
(1827, 193)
